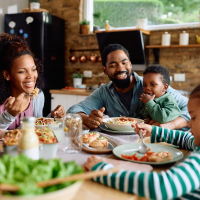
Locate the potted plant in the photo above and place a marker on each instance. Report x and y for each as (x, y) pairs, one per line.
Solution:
(77, 79)
(96, 16)
(142, 19)
(85, 27)
(34, 4)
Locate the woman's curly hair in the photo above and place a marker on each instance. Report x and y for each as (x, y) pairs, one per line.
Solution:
(12, 47)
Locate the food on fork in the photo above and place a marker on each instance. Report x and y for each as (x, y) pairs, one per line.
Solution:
(122, 121)
(89, 137)
(151, 157)
(35, 92)
(99, 142)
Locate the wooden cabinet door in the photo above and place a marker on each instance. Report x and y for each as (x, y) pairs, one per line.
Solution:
(65, 100)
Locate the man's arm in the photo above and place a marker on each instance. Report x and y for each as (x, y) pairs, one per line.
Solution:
(182, 103)
(177, 123)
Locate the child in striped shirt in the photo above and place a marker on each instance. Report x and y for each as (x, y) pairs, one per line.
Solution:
(179, 182)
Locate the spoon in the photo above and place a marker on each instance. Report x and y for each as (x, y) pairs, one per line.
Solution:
(142, 148)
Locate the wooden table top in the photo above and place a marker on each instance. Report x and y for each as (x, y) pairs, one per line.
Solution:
(92, 190)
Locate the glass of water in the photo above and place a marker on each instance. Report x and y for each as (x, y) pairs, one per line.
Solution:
(73, 133)
(58, 128)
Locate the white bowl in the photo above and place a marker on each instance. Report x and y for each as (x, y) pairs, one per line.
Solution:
(120, 127)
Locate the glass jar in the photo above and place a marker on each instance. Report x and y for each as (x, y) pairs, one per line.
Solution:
(73, 133)
(29, 142)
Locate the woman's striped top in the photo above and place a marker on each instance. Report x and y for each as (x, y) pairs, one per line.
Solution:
(179, 182)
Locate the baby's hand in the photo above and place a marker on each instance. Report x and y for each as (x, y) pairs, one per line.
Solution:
(146, 97)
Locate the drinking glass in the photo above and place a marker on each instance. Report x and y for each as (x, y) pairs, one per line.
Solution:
(58, 129)
(73, 133)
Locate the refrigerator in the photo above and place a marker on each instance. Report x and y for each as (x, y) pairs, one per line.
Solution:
(45, 35)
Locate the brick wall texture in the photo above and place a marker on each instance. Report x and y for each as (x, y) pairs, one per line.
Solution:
(176, 60)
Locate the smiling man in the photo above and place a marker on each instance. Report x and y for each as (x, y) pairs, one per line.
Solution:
(121, 95)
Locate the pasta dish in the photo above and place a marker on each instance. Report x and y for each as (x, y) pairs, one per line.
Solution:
(45, 135)
(35, 92)
(44, 121)
(122, 121)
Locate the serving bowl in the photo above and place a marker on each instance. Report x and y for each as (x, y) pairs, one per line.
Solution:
(120, 127)
(62, 194)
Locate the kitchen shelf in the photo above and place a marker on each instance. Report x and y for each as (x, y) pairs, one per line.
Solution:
(173, 46)
(118, 30)
(156, 49)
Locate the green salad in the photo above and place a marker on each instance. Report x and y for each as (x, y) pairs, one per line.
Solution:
(25, 172)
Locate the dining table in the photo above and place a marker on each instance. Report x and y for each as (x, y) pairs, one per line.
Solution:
(93, 190)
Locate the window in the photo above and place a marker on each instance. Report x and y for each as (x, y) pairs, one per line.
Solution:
(124, 13)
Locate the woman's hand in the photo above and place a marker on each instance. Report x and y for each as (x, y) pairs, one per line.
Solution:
(145, 128)
(14, 105)
(91, 162)
(59, 112)
(95, 118)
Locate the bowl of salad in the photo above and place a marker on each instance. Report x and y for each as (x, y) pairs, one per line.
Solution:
(26, 173)
(121, 123)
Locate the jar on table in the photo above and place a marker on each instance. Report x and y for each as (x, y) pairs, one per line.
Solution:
(29, 141)
(73, 134)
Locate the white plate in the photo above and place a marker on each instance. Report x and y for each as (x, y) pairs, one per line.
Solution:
(105, 128)
(120, 127)
(130, 149)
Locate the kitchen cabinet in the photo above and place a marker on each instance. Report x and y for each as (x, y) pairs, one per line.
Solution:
(66, 100)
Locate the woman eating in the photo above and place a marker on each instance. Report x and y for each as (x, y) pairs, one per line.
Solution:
(21, 73)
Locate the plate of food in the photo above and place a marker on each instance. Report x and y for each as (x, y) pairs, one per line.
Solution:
(94, 142)
(157, 154)
(41, 122)
(105, 128)
(121, 123)
(47, 139)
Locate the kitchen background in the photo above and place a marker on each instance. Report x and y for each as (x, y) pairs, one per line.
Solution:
(177, 60)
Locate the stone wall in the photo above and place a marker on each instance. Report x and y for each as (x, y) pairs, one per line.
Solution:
(177, 60)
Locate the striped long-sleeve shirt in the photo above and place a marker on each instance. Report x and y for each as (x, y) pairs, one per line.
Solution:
(179, 182)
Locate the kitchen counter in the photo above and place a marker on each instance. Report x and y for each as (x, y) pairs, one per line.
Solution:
(81, 92)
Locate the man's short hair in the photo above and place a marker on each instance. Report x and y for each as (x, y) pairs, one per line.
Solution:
(159, 70)
(110, 48)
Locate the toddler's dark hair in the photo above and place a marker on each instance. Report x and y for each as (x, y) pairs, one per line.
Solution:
(110, 48)
(158, 69)
(196, 92)
(12, 47)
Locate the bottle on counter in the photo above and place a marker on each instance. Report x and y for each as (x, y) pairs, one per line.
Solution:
(29, 141)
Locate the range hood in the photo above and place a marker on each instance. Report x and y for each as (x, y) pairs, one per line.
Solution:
(133, 40)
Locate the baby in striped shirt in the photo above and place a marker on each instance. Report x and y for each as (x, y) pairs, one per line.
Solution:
(179, 182)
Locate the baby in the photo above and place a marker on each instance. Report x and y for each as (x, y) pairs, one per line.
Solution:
(156, 103)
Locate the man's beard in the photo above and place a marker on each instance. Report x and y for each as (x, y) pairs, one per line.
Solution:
(122, 84)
